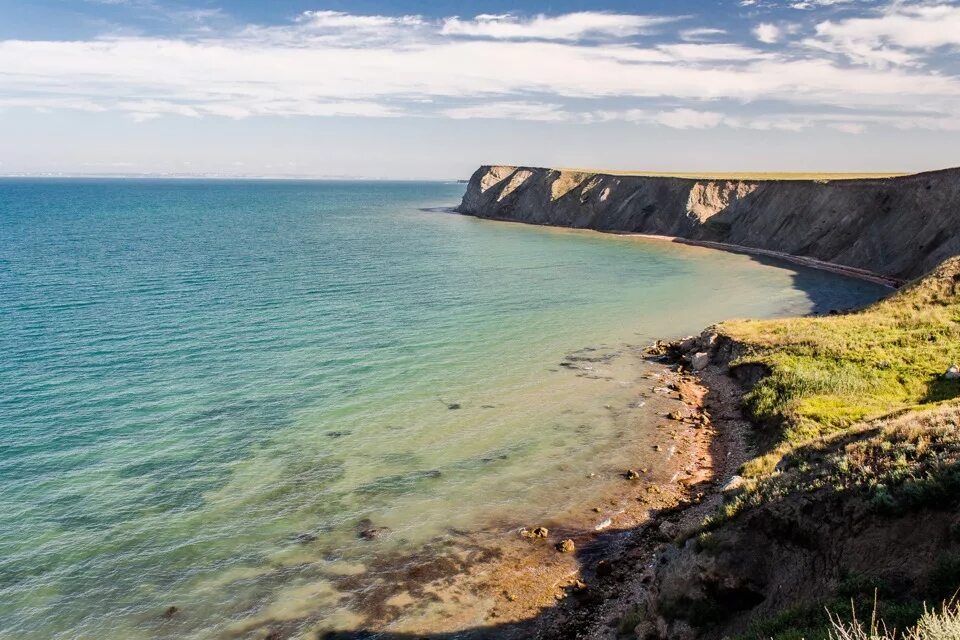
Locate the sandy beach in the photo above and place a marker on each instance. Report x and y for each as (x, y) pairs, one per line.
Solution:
(518, 579)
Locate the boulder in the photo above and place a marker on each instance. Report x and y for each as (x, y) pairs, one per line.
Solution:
(953, 372)
(699, 360)
(566, 546)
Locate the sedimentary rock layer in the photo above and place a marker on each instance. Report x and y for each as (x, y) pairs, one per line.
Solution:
(898, 227)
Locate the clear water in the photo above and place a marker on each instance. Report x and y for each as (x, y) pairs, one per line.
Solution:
(193, 373)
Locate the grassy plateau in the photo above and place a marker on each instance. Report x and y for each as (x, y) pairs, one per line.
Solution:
(857, 407)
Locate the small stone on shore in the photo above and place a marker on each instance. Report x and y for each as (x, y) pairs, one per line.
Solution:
(536, 532)
(566, 546)
(604, 569)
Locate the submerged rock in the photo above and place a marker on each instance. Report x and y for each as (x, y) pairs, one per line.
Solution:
(304, 538)
(170, 612)
(367, 530)
(373, 533)
(632, 475)
(536, 532)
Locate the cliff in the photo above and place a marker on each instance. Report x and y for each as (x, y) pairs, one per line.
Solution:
(897, 227)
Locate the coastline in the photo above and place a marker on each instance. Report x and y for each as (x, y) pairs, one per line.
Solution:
(497, 583)
(813, 263)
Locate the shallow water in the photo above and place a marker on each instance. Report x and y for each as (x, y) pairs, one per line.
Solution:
(195, 373)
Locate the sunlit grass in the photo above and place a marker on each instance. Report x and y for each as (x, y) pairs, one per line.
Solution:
(830, 372)
(742, 175)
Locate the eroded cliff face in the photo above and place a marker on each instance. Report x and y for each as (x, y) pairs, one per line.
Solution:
(898, 227)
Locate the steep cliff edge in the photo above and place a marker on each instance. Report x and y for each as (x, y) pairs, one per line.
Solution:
(897, 227)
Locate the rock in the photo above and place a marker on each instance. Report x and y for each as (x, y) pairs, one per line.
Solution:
(953, 372)
(453, 406)
(699, 360)
(632, 475)
(669, 530)
(675, 415)
(304, 538)
(733, 484)
(170, 612)
(566, 546)
(708, 339)
(536, 532)
(603, 525)
(578, 585)
(373, 533)
(687, 344)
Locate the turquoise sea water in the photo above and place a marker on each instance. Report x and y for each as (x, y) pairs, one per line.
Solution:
(195, 373)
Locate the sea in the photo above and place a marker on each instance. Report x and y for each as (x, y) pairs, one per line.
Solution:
(218, 398)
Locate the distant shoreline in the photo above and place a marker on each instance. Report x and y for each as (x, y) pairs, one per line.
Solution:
(812, 263)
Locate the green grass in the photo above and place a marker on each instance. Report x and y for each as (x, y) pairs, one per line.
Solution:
(856, 404)
(861, 596)
(829, 373)
(855, 408)
(895, 465)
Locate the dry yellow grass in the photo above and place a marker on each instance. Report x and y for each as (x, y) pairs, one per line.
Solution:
(745, 175)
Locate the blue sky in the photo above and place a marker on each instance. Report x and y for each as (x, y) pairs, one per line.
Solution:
(371, 88)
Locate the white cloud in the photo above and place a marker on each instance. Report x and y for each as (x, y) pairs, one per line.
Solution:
(689, 119)
(813, 4)
(509, 111)
(338, 64)
(849, 127)
(570, 26)
(899, 35)
(341, 20)
(700, 34)
(704, 52)
(767, 33)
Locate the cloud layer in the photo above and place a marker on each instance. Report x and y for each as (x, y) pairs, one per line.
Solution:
(887, 67)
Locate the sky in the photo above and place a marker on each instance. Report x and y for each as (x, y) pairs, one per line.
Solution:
(416, 90)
